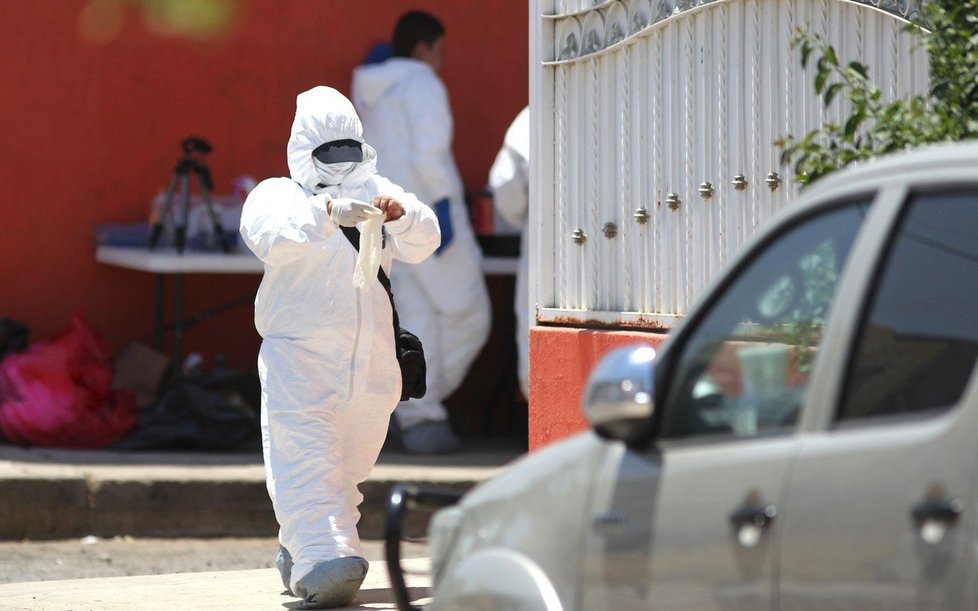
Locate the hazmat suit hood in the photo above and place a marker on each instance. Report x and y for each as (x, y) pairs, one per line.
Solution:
(372, 82)
(323, 115)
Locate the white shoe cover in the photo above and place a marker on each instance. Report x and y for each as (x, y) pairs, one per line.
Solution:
(332, 584)
(283, 562)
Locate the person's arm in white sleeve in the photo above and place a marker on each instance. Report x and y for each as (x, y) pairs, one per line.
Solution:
(416, 235)
(280, 221)
(430, 118)
(510, 186)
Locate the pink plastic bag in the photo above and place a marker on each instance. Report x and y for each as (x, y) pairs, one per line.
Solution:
(58, 393)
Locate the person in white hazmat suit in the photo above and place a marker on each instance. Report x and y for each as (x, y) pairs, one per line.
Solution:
(509, 181)
(444, 301)
(329, 375)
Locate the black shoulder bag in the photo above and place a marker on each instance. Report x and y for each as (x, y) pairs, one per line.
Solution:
(407, 346)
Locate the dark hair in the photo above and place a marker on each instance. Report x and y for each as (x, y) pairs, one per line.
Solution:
(414, 27)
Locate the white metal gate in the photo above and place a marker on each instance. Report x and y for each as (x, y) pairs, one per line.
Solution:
(654, 124)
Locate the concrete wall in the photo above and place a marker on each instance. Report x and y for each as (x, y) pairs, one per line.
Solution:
(95, 104)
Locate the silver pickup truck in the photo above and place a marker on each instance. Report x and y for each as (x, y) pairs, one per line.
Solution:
(806, 439)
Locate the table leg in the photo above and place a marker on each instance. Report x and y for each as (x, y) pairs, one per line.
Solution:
(158, 323)
(178, 321)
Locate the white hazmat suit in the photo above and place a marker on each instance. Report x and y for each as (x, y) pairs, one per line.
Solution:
(328, 370)
(406, 116)
(509, 179)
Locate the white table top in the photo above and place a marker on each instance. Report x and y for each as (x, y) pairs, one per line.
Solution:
(167, 261)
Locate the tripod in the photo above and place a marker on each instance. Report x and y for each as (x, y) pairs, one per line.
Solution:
(193, 149)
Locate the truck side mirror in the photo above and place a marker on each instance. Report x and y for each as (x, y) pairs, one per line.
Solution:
(619, 398)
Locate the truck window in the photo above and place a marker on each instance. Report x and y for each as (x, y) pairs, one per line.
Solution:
(918, 341)
(744, 369)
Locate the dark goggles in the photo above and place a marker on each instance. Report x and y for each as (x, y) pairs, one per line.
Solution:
(339, 151)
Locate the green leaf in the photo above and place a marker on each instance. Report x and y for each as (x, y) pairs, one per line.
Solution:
(853, 124)
(830, 56)
(820, 79)
(859, 69)
(806, 51)
(832, 91)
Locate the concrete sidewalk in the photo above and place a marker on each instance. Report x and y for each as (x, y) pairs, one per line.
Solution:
(59, 494)
(259, 589)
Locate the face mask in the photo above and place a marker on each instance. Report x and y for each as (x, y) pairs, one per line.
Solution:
(333, 173)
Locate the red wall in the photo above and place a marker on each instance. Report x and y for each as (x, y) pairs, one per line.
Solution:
(561, 360)
(90, 132)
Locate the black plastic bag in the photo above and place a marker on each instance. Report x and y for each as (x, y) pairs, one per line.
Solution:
(13, 336)
(201, 414)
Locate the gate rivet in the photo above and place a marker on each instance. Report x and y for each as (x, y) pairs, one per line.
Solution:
(610, 230)
(706, 190)
(773, 181)
(673, 200)
(579, 236)
(641, 216)
(739, 182)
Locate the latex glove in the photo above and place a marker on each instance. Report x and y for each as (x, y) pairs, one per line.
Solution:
(348, 212)
(368, 255)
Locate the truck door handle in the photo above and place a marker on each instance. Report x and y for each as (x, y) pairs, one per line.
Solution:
(937, 510)
(759, 516)
(935, 515)
(750, 521)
